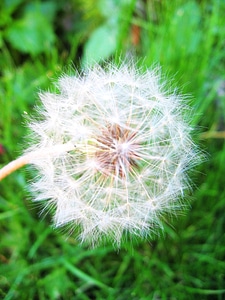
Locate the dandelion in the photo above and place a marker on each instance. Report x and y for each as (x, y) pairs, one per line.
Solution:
(112, 149)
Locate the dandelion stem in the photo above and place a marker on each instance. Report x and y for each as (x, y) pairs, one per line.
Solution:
(13, 166)
(29, 157)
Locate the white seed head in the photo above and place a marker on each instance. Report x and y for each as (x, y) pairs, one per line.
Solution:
(132, 150)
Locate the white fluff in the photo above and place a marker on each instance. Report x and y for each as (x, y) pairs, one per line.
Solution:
(132, 152)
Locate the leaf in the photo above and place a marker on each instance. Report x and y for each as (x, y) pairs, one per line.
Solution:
(107, 39)
(101, 44)
(10, 5)
(47, 9)
(33, 34)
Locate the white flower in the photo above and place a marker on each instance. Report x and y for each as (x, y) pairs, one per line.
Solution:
(115, 152)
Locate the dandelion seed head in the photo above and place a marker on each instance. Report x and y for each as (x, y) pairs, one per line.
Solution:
(132, 151)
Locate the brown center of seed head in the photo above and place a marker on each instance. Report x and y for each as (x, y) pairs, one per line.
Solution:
(117, 151)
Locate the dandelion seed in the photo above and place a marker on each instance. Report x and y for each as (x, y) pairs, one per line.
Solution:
(112, 150)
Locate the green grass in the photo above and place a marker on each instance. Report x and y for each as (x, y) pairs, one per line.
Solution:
(187, 38)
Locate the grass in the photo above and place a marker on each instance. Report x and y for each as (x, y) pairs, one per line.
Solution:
(187, 39)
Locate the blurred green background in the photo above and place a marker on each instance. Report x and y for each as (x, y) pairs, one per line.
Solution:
(41, 39)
